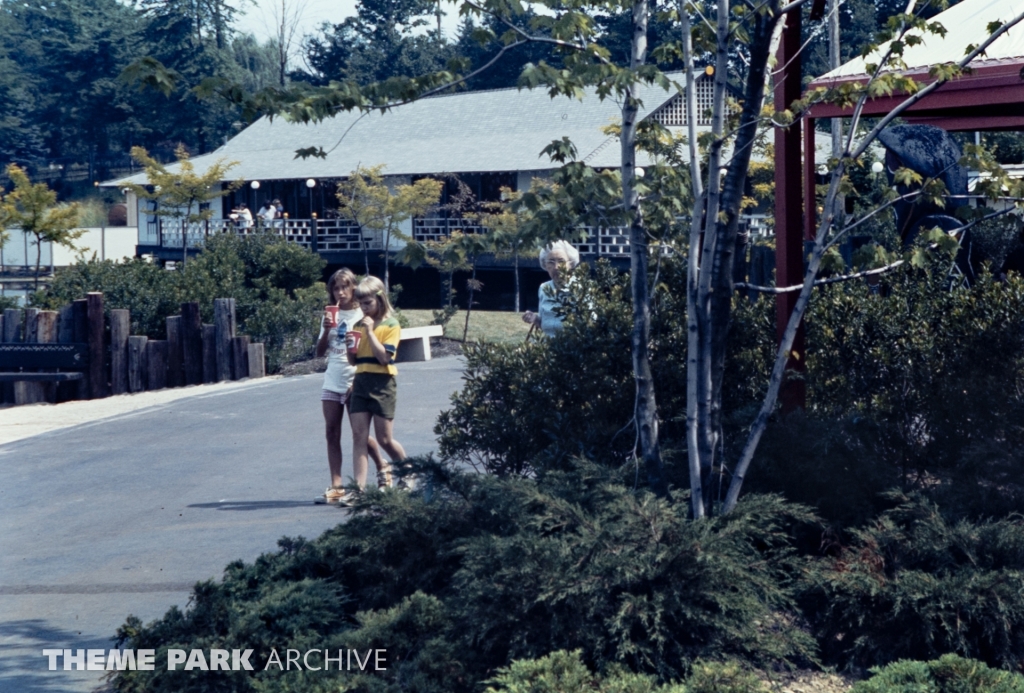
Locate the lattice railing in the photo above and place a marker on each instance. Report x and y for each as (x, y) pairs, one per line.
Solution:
(332, 234)
(339, 235)
(437, 229)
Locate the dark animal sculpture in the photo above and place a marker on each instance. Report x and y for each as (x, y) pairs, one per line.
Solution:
(932, 153)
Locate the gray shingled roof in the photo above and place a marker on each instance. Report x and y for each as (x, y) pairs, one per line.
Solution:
(499, 130)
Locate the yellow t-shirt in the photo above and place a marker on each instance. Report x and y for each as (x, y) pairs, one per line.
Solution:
(389, 333)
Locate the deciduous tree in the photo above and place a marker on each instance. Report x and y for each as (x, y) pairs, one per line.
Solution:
(182, 194)
(377, 208)
(33, 208)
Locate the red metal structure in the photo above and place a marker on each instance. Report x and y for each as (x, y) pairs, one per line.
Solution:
(989, 97)
(790, 229)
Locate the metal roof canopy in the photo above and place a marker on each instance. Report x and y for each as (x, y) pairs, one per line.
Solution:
(990, 97)
(484, 131)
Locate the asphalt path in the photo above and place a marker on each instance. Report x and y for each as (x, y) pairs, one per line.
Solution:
(123, 515)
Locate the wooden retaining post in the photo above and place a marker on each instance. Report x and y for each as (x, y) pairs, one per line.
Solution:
(97, 353)
(12, 325)
(120, 321)
(137, 368)
(257, 364)
(156, 364)
(66, 335)
(240, 357)
(224, 324)
(66, 330)
(31, 315)
(24, 392)
(46, 333)
(12, 333)
(209, 354)
(46, 326)
(174, 359)
(192, 343)
(80, 319)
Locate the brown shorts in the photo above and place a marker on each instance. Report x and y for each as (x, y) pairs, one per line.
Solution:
(375, 393)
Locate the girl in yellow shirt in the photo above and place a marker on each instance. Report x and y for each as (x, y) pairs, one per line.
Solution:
(374, 390)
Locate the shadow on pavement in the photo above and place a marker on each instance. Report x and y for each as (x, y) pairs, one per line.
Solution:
(254, 505)
(24, 660)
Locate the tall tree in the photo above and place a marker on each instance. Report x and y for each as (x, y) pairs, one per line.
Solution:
(384, 39)
(286, 16)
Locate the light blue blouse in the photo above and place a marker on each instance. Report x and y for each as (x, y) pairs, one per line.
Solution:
(549, 300)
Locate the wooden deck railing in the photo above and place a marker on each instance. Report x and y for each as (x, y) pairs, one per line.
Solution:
(339, 235)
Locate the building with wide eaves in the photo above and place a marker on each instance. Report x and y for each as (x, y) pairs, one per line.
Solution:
(489, 139)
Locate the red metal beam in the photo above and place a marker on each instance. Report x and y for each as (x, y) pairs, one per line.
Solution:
(987, 123)
(789, 237)
(810, 194)
(987, 85)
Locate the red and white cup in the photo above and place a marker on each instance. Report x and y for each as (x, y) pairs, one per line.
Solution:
(332, 316)
(352, 340)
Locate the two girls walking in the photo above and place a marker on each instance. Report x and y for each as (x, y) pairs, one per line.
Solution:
(361, 379)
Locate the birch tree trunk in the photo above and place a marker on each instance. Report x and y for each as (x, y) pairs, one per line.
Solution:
(713, 233)
(646, 408)
(693, 358)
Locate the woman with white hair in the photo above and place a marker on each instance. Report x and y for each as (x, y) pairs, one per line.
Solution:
(557, 258)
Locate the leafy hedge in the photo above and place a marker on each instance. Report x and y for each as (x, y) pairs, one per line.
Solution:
(910, 385)
(276, 286)
(938, 375)
(491, 570)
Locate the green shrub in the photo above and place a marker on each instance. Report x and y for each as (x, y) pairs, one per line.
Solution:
(144, 288)
(939, 375)
(7, 302)
(276, 286)
(534, 406)
(491, 570)
(565, 672)
(537, 405)
(914, 585)
(948, 674)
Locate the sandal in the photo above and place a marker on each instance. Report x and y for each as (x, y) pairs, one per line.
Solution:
(406, 483)
(332, 496)
(384, 477)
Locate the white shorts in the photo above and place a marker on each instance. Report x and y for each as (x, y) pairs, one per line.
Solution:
(330, 396)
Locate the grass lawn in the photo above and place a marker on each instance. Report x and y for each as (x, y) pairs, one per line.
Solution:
(484, 325)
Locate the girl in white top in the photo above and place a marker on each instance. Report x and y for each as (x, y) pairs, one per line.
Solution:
(338, 381)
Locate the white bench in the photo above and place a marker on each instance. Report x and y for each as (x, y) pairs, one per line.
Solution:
(415, 343)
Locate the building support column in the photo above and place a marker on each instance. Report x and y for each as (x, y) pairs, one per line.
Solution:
(789, 234)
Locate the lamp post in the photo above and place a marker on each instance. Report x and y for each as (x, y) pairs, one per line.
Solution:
(310, 184)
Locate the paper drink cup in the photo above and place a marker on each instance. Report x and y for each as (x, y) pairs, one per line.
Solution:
(332, 312)
(352, 340)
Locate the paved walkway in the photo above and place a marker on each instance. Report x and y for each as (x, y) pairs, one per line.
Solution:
(122, 515)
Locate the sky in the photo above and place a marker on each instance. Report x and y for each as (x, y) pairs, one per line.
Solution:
(258, 17)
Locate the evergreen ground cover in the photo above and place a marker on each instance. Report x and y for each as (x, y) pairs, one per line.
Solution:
(875, 528)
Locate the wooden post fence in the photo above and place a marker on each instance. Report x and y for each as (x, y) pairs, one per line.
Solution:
(192, 343)
(224, 325)
(119, 362)
(120, 325)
